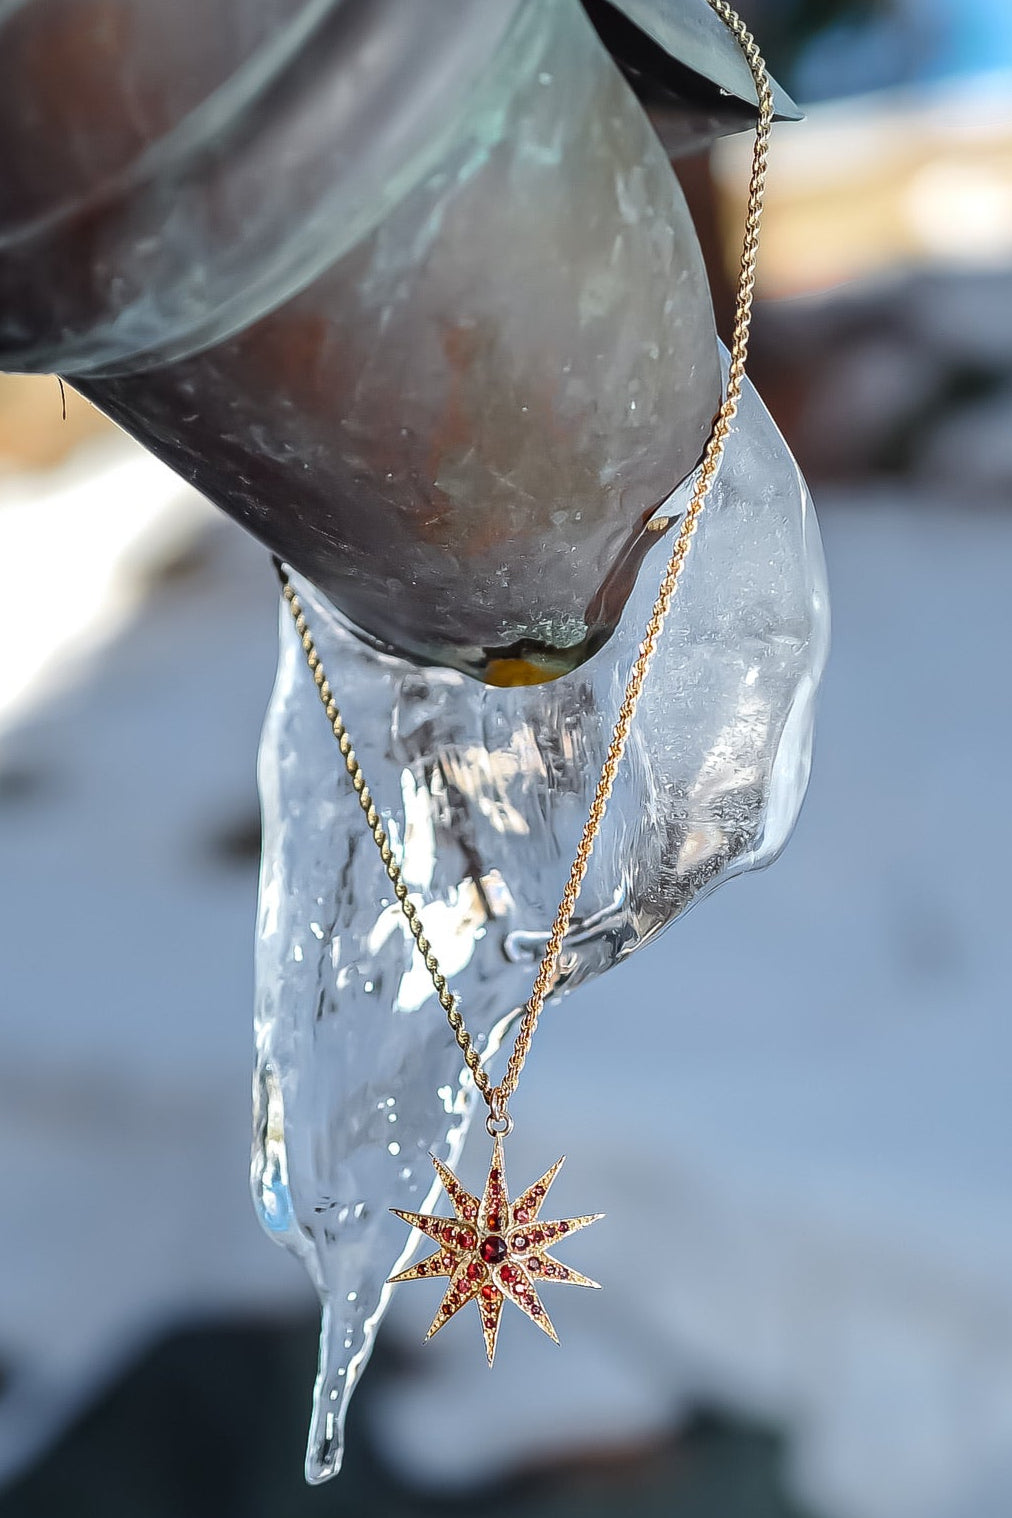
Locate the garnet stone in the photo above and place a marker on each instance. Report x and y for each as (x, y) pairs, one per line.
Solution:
(493, 1249)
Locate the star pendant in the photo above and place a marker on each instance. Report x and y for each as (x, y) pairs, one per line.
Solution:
(493, 1250)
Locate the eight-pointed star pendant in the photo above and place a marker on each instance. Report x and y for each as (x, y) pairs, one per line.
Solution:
(493, 1249)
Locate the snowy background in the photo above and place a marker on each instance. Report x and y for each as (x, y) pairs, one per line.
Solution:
(821, 1145)
(817, 1232)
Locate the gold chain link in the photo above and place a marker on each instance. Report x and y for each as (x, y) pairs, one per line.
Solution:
(497, 1097)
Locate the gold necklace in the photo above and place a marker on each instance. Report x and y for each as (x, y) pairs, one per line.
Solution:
(493, 1249)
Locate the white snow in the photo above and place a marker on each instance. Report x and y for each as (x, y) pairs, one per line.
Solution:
(125, 943)
(808, 1177)
(808, 1174)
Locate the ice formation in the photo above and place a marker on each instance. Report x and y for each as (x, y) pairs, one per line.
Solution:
(484, 792)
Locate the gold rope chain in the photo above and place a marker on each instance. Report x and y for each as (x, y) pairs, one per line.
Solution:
(497, 1097)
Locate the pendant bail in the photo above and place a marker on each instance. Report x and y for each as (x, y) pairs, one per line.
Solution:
(498, 1124)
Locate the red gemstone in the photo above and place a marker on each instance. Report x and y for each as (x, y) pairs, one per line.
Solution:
(537, 1237)
(488, 1292)
(563, 1227)
(469, 1213)
(493, 1176)
(449, 1234)
(493, 1249)
(447, 1261)
(509, 1274)
(465, 1239)
(492, 1221)
(520, 1242)
(521, 1215)
(474, 1270)
(534, 1266)
(421, 1267)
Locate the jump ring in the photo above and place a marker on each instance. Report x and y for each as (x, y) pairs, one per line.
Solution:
(498, 1125)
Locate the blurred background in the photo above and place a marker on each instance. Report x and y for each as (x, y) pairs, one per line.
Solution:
(823, 1215)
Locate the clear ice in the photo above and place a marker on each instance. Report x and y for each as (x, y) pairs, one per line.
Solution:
(484, 793)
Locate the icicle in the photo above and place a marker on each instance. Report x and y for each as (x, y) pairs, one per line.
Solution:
(484, 792)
